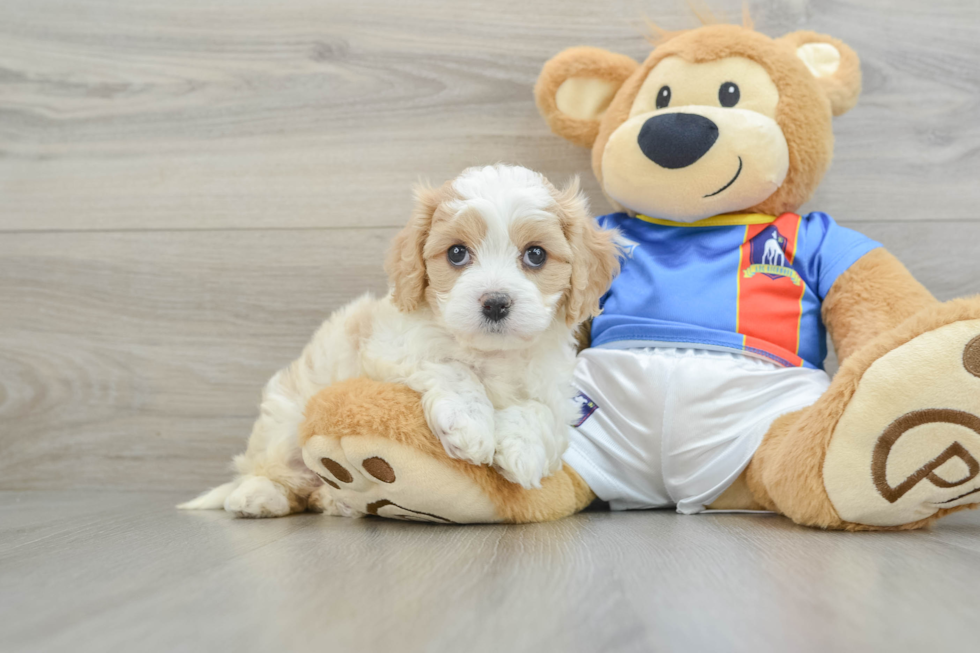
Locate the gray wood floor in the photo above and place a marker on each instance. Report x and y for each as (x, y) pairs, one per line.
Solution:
(111, 571)
(188, 187)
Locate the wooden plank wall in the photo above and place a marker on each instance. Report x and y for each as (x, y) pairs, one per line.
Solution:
(187, 187)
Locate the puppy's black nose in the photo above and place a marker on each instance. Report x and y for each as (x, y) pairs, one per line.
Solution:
(676, 140)
(496, 305)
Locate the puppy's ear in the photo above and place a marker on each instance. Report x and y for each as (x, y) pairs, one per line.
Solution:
(575, 88)
(595, 255)
(835, 66)
(405, 264)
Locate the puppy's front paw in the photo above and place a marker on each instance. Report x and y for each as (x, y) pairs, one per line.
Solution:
(521, 464)
(528, 449)
(258, 496)
(521, 456)
(465, 429)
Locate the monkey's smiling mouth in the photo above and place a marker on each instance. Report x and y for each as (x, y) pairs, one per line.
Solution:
(729, 183)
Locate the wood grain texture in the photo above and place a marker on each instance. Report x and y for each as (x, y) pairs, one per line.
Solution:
(189, 114)
(137, 358)
(105, 572)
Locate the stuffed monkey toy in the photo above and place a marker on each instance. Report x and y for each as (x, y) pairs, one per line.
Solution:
(703, 388)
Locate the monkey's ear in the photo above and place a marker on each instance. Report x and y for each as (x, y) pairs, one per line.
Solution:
(575, 88)
(834, 65)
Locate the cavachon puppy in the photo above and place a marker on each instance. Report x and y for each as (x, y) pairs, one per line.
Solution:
(490, 279)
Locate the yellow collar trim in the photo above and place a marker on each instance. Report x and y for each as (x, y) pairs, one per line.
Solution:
(725, 220)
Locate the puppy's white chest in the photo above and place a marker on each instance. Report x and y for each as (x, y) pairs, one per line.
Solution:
(504, 378)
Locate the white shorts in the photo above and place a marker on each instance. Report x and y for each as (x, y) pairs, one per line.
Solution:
(675, 427)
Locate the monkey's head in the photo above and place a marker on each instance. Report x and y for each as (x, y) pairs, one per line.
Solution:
(718, 119)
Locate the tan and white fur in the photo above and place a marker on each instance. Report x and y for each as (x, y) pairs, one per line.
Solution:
(485, 334)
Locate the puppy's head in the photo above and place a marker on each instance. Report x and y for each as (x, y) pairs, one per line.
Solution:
(500, 255)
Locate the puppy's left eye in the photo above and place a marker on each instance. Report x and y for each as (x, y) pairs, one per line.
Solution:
(534, 256)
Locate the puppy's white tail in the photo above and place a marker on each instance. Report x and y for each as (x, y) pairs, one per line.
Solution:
(213, 499)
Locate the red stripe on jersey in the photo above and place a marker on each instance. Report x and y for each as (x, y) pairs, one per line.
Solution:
(769, 302)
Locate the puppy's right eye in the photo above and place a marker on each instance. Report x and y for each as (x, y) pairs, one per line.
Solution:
(663, 97)
(458, 255)
(534, 256)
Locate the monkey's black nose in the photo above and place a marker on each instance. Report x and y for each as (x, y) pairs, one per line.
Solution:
(676, 140)
(496, 305)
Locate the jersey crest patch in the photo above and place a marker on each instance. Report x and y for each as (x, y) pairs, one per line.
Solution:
(767, 256)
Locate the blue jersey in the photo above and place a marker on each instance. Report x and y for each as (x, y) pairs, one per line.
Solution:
(752, 283)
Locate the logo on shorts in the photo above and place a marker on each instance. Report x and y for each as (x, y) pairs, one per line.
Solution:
(585, 408)
(768, 257)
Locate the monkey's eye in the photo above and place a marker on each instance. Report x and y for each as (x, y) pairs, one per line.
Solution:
(458, 255)
(534, 256)
(663, 97)
(728, 94)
